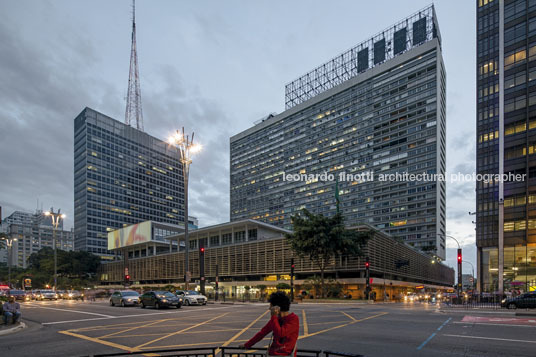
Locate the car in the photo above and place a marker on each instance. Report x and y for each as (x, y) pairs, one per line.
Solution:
(61, 294)
(125, 298)
(191, 297)
(73, 295)
(524, 301)
(19, 295)
(46, 295)
(160, 299)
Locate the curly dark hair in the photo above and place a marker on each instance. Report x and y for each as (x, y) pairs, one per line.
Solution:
(280, 299)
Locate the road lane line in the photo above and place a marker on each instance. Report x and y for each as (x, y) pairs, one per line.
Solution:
(127, 316)
(304, 322)
(79, 312)
(131, 328)
(343, 325)
(232, 339)
(180, 331)
(433, 334)
(489, 324)
(107, 343)
(353, 319)
(491, 338)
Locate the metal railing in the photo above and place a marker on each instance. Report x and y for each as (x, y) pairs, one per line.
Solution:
(225, 352)
(490, 301)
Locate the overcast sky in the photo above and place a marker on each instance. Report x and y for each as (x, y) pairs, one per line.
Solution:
(213, 67)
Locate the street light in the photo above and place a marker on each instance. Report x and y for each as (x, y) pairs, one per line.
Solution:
(9, 243)
(56, 216)
(186, 148)
(459, 258)
(472, 273)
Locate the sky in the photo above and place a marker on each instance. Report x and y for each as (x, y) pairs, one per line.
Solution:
(214, 67)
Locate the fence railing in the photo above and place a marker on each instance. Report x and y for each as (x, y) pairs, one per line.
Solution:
(491, 301)
(225, 352)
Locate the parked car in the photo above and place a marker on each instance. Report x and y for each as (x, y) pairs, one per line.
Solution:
(124, 298)
(73, 295)
(191, 297)
(20, 295)
(160, 299)
(46, 295)
(523, 301)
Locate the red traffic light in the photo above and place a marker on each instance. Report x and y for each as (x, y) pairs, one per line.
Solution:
(292, 266)
(459, 255)
(367, 264)
(202, 249)
(127, 277)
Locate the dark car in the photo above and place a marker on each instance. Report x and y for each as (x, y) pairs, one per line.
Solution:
(523, 301)
(125, 298)
(20, 295)
(160, 299)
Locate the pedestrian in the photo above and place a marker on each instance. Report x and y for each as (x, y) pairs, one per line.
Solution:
(11, 310)
(284, 326)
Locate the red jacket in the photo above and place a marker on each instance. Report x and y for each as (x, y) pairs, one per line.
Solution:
(285, 329)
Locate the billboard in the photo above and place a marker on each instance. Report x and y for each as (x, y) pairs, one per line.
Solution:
(134, 234)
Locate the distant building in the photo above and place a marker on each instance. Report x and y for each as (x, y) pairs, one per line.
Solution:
(378, 108)
(468, 282)
(506, 144)
(33, 232)
(122, 176)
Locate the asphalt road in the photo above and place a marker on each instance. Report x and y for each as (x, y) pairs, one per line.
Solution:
(67, 328)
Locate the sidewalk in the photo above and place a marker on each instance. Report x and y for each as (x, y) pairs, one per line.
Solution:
(7, 329)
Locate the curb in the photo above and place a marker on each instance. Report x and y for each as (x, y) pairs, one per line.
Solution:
(20, 326)
(526, 313)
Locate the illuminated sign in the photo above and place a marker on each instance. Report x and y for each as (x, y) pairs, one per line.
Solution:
(135, 234)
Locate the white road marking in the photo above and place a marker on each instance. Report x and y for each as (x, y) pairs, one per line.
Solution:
(78, 312)
(126, 316)
(491, 338)
(488, 324)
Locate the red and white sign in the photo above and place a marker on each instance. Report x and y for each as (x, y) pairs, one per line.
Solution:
(499, 320)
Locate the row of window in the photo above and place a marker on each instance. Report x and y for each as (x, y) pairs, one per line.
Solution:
(521, 225)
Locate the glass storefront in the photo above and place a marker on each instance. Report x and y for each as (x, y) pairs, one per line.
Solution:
(519, 269)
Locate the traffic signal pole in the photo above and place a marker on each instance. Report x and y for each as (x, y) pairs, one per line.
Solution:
(459, 286)
(291, 279)
(202, 269)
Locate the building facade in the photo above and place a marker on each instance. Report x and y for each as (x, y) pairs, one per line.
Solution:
(506, 144)
(378, 109)
(34, 232)
(252, 253)
(122, 176)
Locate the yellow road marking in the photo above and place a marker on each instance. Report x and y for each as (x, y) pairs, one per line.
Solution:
(343, 325)
(186, 333)
(180, 331)
(242, 331)
(305, 326)
(107, 343)
(132, 328)
(348, 315)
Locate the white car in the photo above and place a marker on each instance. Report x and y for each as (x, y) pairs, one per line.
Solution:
(191, 297)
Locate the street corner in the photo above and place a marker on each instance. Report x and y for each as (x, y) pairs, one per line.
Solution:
(11, 328)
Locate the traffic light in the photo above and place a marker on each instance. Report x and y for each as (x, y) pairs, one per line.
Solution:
(292, 266)
(202, 250)
(292, 279)
(367, 276)
(127, 278)
(459, 255)
(367, 262)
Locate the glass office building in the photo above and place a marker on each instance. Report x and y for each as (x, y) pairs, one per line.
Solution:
(375, 110)
(121, 176)
(506, 144)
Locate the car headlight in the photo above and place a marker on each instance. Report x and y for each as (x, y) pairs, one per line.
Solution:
(164, 300)
(180, 299)
(503, 301)
(56, 295)
(70, 295)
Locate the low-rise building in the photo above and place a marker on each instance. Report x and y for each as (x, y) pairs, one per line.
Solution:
(251, 256)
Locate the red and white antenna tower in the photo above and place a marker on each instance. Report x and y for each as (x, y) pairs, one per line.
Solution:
(133, 111)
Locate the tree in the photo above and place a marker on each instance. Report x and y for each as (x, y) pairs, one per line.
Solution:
(321, 238)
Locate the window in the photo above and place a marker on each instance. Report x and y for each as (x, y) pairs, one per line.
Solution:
(514, 80)
(514, 34)
(515, 103)
(240, 237)
(227, 238)
(252, 234)
(515, 57)
(214, 241)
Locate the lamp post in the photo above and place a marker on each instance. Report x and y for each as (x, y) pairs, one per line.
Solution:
(9, 243)
(56, 216)
(459, 260)
(472, 273)
(186, 148)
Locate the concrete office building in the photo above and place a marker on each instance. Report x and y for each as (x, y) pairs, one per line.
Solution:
(122, 176)
(378, 108)
(33, 232)
(506, 144)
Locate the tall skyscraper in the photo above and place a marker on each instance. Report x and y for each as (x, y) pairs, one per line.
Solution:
(506, 144)
(378, 108)
(121, 176)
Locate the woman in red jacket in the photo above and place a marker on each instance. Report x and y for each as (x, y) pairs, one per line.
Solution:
(284, 325)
